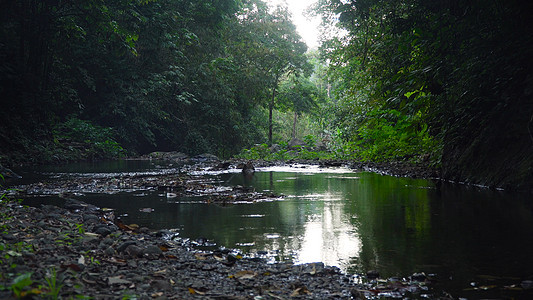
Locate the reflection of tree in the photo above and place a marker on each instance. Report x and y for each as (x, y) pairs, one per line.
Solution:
(392, 219)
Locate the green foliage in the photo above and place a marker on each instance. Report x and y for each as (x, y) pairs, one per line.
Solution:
(97, 141)
(53, 286)
(20, 284)
(310, 140)
(447, 73)
(261, 151)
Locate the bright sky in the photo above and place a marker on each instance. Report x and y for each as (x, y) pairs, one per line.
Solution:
(307, 28)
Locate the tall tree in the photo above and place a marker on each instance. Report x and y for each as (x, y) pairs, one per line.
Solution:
(298, 95)
(274, 47)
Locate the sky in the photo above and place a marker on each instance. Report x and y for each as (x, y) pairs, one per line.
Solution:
(308, 29)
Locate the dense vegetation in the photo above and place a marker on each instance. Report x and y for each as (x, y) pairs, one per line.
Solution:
(192, 76)
(452, 79)
(446, 83)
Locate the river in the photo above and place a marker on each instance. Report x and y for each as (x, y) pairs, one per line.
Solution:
(469, 237)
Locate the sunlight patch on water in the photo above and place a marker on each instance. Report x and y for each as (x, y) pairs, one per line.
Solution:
(329, 238)
(252, 216)
(309, 169)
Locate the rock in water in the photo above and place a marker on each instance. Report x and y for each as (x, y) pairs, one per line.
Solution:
(248, 169)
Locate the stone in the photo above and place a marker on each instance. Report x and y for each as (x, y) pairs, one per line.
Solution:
(109, 251)
(134, 251)
(295, 142)
(372, 274)
(248, 168)
(124, 245)
(152, 250)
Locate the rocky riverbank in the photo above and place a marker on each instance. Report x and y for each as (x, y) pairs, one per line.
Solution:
(83, 252)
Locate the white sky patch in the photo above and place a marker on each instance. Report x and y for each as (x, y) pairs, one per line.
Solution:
(307, 27)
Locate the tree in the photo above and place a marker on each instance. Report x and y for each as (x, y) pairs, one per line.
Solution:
(274, 47)
(455, 69)
(298, 95)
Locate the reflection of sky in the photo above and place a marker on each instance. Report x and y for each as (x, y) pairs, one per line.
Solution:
(328, 236)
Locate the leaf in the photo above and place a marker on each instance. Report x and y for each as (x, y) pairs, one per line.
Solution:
(201, 256)
(246, 274)
(195, 292)
(300, 291)
(13, 253)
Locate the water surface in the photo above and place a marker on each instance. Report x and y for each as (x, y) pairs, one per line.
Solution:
(357, 221)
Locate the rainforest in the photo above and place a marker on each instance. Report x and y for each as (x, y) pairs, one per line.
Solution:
(444, 84)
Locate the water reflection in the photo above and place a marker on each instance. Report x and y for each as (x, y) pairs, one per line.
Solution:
(357, 221)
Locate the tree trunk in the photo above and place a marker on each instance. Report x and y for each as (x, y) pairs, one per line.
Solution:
(294, 125)
(270, 109)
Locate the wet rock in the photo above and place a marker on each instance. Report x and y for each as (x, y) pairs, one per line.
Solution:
(527, 284)
(104, 230)
(152, 251)
(372, 274)
(74, 204)
(275, 148)
(124, 245)
(295, 142)
(419, 277)
(7, 173)
(206, 157)
(109, 251)
(161, 285)
(134, 251)
(174, 156)
(248, 168)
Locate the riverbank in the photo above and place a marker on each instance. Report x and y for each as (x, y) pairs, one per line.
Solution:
(94, 244)
(81, 251)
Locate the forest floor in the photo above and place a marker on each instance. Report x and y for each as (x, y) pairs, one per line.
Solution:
(81, 251)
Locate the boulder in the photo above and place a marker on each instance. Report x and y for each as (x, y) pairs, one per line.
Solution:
(206, 157)
(275, 148)
(7, 173)
(248, 168)
(172, 155)
(295, 142)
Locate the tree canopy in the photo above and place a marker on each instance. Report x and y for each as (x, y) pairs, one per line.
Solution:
(452, 76)
(445, 83)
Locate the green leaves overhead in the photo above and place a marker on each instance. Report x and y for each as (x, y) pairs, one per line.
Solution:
(163, 74)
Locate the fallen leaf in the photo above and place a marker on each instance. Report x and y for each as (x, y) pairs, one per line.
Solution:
(300, 291)
(157, 294)
(245, 274)
(488, 287)
(81, 260)
(201, 256)
(195, 291)
(13, 253)
(160, 272)
(116, 261)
